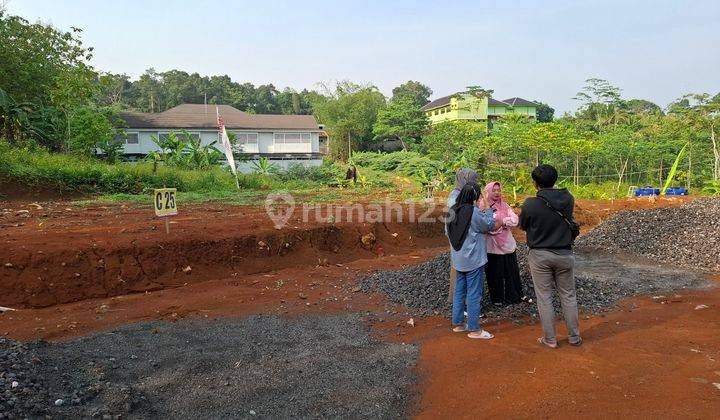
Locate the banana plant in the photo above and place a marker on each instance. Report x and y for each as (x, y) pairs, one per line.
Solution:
(673, 169)
(263, 166)
(19, 119)
(197, 155)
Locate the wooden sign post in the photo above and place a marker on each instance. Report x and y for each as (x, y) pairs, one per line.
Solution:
(165, 204)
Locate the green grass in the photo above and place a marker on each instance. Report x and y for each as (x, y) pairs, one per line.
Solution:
(251, 197)
(34, 166)
(242, 198)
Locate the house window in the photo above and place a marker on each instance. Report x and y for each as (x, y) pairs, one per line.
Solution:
(292, 138)
(246, 142)
(164, 136)
(244, 139)
(128, 138)
(132, 138)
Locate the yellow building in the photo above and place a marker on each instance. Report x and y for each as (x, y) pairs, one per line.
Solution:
(463, 106)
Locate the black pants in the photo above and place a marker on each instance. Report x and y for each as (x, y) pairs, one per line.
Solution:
(503, 278)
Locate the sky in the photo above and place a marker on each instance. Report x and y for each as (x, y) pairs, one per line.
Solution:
(537, 50)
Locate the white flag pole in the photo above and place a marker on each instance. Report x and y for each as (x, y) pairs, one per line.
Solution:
(225, 140)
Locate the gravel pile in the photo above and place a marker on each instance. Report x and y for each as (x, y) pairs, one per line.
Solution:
(687, 236)
(424, 288)
(601, 281)
(256, 367)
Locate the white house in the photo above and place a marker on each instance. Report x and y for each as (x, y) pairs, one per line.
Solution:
(282, 139)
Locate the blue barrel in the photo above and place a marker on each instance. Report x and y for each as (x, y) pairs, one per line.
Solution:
(647, 191)
(676, 191)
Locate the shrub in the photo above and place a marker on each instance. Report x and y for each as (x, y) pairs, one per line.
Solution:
(410, 164)
(711, 188)
(34, 165)
(325, 174)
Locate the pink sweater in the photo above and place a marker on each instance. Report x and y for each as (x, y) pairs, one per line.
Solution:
(502, 241)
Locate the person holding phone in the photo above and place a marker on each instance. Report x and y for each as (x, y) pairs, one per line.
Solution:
(465, 232)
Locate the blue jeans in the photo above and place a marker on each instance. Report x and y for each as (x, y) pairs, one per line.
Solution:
(468, 288)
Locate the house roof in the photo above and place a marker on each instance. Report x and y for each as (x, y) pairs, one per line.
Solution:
(202, 116)
(519, 102)
(445, 100)
(495, 102)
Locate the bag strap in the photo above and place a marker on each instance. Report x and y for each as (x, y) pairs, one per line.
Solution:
(547, 203)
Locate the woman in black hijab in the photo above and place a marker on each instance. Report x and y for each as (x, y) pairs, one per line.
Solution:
(463, 210)
(469, 219)
(463, 177)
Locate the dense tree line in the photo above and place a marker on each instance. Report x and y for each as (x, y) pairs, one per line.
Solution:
(608, 140)
(156, 92)
(50, 94)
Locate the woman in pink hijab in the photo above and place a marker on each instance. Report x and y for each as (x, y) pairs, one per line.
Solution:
(501, 270)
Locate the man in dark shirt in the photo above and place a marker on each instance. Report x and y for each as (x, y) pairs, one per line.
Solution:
(548, 219)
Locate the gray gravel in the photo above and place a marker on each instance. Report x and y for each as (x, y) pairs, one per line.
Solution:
(602, 280)
(257, 367)
(687, 236)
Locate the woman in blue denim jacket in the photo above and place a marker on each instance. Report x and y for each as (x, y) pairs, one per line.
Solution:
(469, 219)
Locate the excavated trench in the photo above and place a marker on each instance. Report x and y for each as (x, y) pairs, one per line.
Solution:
(41, 279)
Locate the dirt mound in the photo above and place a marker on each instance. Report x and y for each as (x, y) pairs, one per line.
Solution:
(316, 366)
(687, 236)
(585, 218)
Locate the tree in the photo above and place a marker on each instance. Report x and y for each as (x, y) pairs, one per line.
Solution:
(412, 91)
(243, 97)
(46, 69)
(114, 90)
(474, 107)
(402, 120)
(91, 128)
(600, 102)
(266, 100)
(545, 113)
(640, 106)
(150, 95)
(349, 113)
(701, 115)
(456, 144)
(37, 58)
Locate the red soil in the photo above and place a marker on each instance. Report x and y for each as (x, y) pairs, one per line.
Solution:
(648, 359)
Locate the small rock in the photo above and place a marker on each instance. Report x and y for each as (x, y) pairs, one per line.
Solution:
(187, 269)
(701, 307)
(59, 402)
(368, 239)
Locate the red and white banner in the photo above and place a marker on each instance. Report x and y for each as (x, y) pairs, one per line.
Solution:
(225, 141)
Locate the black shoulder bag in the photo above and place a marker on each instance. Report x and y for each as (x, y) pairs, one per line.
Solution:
(574, 227)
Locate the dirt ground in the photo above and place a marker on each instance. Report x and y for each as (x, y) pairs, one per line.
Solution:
(72, 270)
